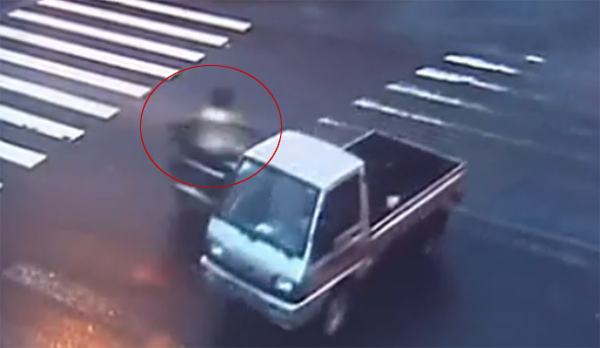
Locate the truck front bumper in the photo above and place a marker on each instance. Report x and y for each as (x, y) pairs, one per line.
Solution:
(280, 312)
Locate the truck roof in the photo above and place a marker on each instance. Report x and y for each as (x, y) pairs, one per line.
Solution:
(306, 157)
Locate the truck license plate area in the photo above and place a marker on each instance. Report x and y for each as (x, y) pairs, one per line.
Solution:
(237, 293)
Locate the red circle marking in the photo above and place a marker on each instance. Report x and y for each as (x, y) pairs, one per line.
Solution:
(221, 66)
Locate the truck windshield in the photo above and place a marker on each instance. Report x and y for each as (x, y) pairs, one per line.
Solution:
(271, 206)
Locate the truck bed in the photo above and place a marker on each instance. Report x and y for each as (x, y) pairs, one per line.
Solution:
(395, 167)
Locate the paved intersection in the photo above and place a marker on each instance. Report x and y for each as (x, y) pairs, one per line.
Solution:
(523, 261)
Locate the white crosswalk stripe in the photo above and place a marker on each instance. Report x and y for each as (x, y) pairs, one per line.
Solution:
(21, 156)
(415, 91)
(192, 15)
(38, 124)
(56, 97)
(480, 63)
(80, 75)
(107, 35)
(90, 34)
(87, 52)
(463, 126)
(137, 22)
(455, 78)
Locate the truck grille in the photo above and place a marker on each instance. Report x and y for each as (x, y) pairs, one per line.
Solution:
(247, 275)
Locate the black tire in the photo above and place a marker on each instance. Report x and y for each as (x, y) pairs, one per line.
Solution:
(335, 315)
(432, 245)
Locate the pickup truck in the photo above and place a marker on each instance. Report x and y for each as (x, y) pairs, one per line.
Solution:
(294, 241)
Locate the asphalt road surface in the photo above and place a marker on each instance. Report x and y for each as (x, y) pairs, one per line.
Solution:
(88, 254)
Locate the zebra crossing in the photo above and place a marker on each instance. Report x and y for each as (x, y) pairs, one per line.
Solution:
(450, 123)
(446, 78)
(78, 62)
(137, 22)
(93, 44)
(486, 112)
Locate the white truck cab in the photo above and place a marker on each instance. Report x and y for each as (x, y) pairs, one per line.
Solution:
(294, 239)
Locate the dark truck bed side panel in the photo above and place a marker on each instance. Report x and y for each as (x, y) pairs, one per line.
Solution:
(396, 167)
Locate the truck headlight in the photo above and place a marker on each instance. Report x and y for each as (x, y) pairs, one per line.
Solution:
(216, 250)
(284, 285)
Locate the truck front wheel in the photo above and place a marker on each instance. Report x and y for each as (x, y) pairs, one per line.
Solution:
(336, 312)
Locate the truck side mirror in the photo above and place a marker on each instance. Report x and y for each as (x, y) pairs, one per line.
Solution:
(322, 223)
(229, 178)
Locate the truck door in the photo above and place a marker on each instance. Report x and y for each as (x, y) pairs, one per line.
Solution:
(336, 243)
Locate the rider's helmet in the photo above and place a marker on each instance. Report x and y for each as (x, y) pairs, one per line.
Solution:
(219, 129)
(222, 97)
(220, 110)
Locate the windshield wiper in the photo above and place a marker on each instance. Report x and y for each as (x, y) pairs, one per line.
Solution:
(287, 251)
(254, 235)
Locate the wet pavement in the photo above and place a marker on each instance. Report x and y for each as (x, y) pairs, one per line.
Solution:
(521, 257)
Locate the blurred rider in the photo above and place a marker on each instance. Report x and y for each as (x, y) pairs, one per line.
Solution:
(217, 134)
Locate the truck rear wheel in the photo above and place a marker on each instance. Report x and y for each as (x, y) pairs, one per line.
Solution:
(433, 244)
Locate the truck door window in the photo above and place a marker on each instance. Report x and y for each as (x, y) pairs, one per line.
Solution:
(341, 211)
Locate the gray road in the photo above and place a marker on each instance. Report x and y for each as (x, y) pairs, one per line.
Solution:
(521, 264)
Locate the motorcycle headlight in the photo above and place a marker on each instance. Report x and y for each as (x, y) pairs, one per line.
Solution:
(284, 285)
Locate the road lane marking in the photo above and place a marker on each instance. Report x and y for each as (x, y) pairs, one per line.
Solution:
(21, 156)
(75, 74)
(418, 92)
(535, 59)
(137, 22)
(501, 234)
(107, 35)
(40, 125)
(560, 238)
(370, 104)
(81, 51)
(480, 63)
(189, 14)
(445, 76)
(328, 121)
(56, 97)
(365, 103)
